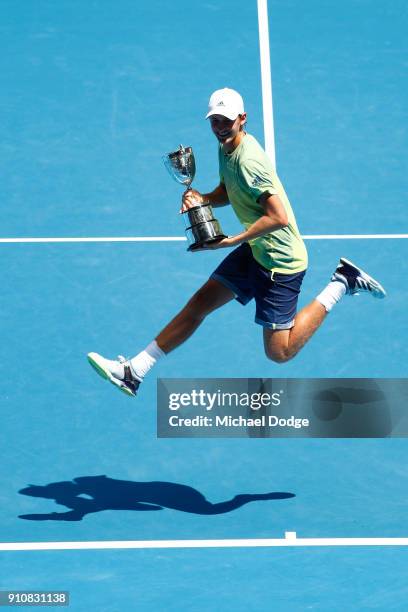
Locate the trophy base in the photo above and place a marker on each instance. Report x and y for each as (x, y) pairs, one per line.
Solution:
(199, 246)
(204, 232)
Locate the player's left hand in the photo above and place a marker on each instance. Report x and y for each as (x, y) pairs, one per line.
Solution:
(221, 244)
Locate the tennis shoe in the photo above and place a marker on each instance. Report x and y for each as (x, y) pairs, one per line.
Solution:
(119, 372)
(356, 280)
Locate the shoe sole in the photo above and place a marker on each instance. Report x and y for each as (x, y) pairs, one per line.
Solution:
(378, 290)
(103, 372)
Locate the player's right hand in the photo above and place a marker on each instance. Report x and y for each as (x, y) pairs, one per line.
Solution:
(191, 198)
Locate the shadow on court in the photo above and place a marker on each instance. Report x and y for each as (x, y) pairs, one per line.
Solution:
(89, 494)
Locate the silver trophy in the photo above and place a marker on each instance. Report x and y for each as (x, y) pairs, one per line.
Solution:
(201, 226)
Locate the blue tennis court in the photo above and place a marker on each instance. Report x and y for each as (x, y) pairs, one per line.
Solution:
(92, 95)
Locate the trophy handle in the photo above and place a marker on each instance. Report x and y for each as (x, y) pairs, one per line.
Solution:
(188, 187)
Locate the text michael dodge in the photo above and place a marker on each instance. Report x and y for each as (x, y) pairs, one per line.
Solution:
(240, 421)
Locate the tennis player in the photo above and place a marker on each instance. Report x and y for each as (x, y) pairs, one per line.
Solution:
(268, 262)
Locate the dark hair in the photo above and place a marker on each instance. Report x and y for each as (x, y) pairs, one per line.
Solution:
(242, 127)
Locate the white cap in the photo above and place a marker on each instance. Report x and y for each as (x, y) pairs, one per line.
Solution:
(225, 102)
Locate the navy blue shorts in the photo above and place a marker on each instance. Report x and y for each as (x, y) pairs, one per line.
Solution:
(276, 294)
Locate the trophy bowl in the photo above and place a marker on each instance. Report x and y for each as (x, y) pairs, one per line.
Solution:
(181, 165)
(201, 226)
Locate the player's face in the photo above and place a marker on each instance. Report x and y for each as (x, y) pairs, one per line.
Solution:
(226, 130)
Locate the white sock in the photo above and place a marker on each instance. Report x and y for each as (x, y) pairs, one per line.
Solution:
(145, 360)
(331, 294)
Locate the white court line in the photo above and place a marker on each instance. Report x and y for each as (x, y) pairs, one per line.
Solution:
(183, 239)
(354, 236)
(97, 239)
(290, 539)
(266, 80)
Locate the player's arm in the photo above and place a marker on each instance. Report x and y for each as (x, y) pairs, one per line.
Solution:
(274, 218)
(217, 197)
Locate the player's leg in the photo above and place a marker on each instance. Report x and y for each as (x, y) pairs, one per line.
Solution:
(128, 374)
(228, 281)
(209, 297)
(283, 344)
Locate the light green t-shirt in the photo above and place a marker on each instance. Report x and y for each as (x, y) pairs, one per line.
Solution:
(247, 173)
